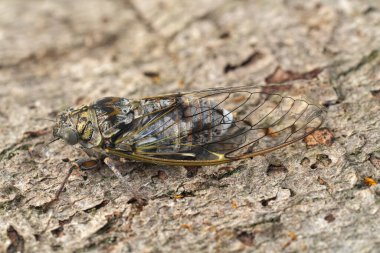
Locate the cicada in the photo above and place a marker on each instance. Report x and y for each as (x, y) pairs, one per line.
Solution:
(199, 128)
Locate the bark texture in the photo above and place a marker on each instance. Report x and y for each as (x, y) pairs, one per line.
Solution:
(320, 195)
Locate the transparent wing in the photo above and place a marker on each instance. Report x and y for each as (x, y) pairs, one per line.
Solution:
(219, 125)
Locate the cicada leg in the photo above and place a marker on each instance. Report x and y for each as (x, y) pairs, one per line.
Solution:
(137, 197)
(82, 164)
(88, 163)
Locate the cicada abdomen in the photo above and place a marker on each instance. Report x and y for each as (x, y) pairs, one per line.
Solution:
(181, 130)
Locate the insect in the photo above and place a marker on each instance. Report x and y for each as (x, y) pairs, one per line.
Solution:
(199, 128)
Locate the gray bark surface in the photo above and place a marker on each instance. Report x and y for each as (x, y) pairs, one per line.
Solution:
(321, 198)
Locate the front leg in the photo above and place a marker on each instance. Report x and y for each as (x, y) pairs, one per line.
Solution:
(94, 163)
(82, 164)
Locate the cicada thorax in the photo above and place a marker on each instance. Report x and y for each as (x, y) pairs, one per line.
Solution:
(113, 116)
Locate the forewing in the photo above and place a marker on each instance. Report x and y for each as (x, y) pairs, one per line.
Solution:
(263, 120)
(253, 122)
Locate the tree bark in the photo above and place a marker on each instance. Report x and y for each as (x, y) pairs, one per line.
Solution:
(318, 195)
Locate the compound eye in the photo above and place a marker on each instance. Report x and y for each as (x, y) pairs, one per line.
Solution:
(70, 136)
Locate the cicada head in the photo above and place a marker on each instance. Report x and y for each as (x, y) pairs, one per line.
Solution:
(65, 129)
(78, 126)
